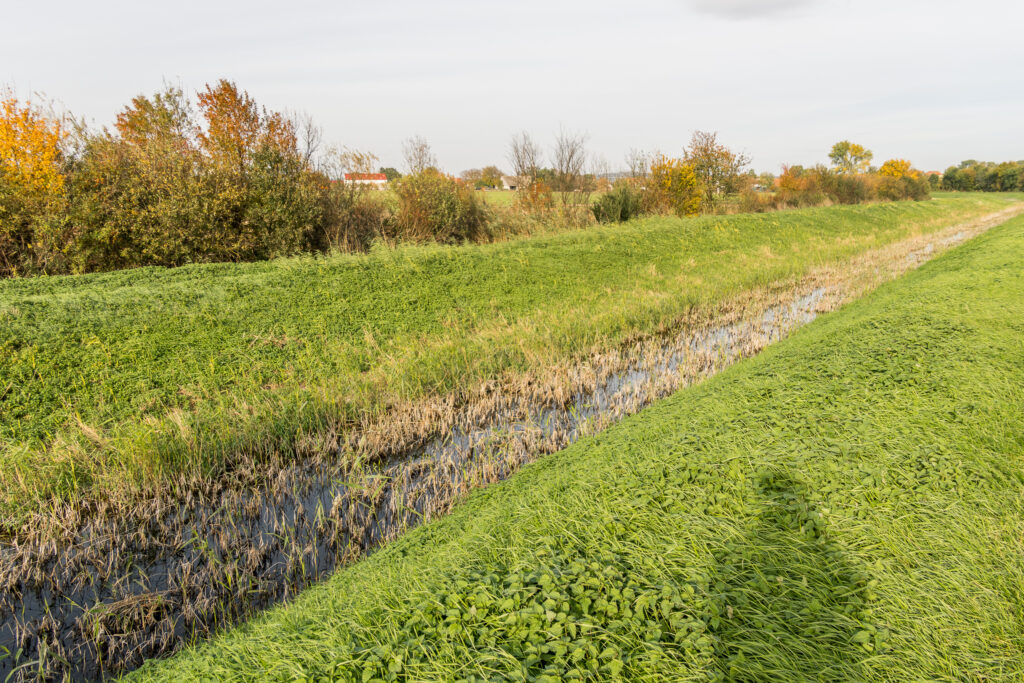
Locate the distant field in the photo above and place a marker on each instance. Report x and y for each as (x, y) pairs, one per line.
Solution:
(508, 197)
(847, 506)
(497, 197)
(494, 197)
(115, 382)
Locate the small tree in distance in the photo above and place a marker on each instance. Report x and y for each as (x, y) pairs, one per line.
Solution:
(418, 155)
(490, 176)
(717, 167)
(471, 175)
(639, 162)
(570, 157)
(525, 157)
(849, 157)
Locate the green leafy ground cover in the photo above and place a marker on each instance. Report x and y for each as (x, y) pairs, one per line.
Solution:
(128, 379)
(848, 505)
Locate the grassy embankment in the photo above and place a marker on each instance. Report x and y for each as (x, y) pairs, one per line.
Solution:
(849, 505)
(112, 383)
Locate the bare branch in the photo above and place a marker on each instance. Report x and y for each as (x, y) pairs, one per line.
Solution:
(418, 155)
(570, 159)
(310, 136)
(525, 157)
(639, 163)
(341, 160)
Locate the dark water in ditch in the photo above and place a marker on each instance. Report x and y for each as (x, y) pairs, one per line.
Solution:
(126, 590)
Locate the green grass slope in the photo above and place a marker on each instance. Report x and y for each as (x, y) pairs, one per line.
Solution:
(127, 379)
(849, 505)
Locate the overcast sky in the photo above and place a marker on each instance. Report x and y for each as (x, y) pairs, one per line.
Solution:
(933, 81)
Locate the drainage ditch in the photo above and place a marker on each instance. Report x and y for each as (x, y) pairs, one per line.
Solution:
(114, 592)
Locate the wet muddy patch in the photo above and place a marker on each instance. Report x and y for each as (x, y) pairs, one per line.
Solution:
(111, 591)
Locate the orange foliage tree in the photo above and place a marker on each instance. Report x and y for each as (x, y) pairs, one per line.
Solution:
(237, 129)
(797, 186)
(31, 178)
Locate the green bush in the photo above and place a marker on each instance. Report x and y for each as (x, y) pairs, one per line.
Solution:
(353, 216)
(752, 201)
(16, 227)
(619, 205)
(131, 205)
(435, 207)
(24, 217)
(845, 188)
(906, 187)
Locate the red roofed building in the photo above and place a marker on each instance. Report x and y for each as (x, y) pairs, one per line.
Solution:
(376, 179)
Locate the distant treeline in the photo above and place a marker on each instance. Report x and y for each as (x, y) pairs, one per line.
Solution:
(218, 177)
(985, 176)
(709, 178)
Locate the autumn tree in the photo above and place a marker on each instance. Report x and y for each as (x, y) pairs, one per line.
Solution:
(418, 155)
(435, 207)
(849, 157)
(31, 178)
(765, 180)
(896, 168)
(717, 167)
(900, 180)
(673, 186)
(134, 184)
(237, 128)
(159, 137)
(225, 181)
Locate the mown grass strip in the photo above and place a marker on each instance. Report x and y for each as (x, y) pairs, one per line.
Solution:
(125, 380)
(846, 506)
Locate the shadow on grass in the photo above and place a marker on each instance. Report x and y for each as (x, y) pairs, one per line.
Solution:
(788, 603)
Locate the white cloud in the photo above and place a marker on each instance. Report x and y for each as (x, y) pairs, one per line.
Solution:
(747, 9)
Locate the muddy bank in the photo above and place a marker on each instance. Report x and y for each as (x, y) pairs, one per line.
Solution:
(99, 593)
